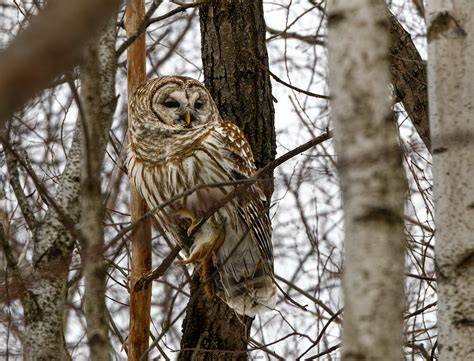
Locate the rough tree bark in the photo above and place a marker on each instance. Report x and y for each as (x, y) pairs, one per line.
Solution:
(235, 57)
(98, 105)
(233, 53)
(451, 93)
(409, 78)
(370, 169)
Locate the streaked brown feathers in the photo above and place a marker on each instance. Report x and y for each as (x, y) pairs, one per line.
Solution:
(166, 158)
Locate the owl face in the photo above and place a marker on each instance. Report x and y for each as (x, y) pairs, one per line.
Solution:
(183, 103)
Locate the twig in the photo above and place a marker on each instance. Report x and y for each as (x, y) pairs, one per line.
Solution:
(309, 39)
(325, 352)
(175, 11)
(158, 272)
(148, 20)
(241, 185)
(421, 310)
(301, 291)
(28, 214)
(279, 80)
(323, 330)
(299, 90)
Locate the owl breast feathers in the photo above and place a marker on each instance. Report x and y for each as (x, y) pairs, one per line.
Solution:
(178, 141)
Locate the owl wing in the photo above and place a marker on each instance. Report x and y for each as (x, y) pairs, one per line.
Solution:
(238, 160)
(246, 256)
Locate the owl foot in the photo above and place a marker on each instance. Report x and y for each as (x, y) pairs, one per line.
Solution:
(207, 242)
(189, 218)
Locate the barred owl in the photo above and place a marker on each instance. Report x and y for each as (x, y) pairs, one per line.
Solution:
(179, 141)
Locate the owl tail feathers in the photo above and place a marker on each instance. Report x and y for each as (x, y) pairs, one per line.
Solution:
(250, 297)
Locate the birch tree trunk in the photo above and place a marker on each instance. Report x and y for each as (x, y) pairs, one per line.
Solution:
(98, 102)
(43, 304)
(370, 168)
(451, 94)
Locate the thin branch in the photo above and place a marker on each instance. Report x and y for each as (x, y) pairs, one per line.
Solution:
(299, 90)
(175, 11)
(25, 207)
(307, 295)
(321, 333)
(309, 39)
(421, 310)
(159, 271)
(141, 28)
(325, 352)
(240, 186)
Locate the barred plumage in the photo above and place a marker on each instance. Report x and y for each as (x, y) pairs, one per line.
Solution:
(178, 141)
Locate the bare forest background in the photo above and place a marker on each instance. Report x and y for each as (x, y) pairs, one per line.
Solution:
(43, 190)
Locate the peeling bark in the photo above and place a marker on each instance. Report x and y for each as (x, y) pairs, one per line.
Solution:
(451, 93)
(98, 102)
(140, 302)
(372, 181)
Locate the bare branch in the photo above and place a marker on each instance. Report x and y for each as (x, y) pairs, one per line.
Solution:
(54, 40)
(25, 207)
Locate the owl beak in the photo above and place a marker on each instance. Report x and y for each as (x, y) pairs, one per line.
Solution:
(187, 118)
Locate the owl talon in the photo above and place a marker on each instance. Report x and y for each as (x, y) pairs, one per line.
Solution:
(204, 250)
(184, 262)
(206, 246)
(194, 223)
(190, 217)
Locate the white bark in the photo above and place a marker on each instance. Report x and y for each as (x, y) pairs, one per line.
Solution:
(451, 99)
(372, 180)
(44, 302)
(98, 102)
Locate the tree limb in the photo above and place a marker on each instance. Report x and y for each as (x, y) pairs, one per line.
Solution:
(51, 45)
(409, 78)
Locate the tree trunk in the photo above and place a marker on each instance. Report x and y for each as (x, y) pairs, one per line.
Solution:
(98, 102)
(140, 302)
(43, 304)
(451, 93)
(235, 58)
(370, 169)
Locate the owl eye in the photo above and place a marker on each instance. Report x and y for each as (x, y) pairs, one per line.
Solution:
(198, 104)
(171, 104)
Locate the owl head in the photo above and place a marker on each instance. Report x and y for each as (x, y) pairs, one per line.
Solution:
(174, 103)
